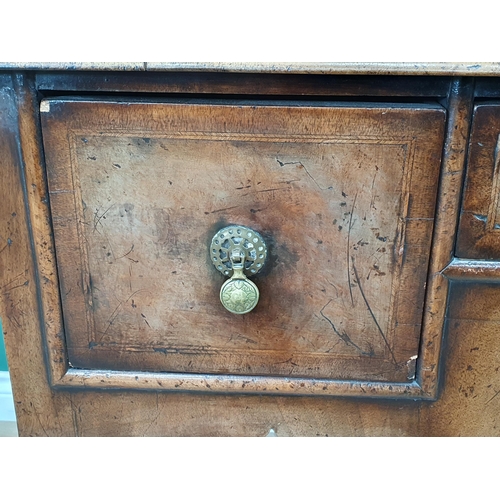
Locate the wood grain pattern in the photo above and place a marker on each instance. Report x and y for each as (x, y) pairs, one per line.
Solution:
(372, 68)
(478, 233)
(41, 228)
(39, 410)
(238, 384)
(143, 197)
(468, 403)
(459, 115)
(366, 68)
(74, 66)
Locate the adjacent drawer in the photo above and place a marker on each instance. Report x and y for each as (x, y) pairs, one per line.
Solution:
(479, 228)
(344, 195)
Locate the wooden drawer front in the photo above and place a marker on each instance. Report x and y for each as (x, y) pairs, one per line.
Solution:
(343, 194)
(479, 228)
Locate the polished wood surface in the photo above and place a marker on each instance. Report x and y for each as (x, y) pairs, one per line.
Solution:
(150, 184)
(37, 405)
(478, 232)
(464, 350)
(459, 113)
(341, 68)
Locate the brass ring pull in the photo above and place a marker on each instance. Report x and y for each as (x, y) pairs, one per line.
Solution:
(238, 252)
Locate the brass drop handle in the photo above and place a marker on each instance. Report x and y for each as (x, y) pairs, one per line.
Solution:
(238, 252)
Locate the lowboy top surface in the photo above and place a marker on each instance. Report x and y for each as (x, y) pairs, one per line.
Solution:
(341, 68)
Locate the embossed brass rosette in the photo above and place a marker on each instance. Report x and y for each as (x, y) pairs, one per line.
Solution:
(238, 252)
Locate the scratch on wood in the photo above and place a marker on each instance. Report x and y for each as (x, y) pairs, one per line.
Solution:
(348, 247)
(223, 209)
(40, 422)
(155, 419)
(73, 415)
(343, 335)
(493, 397)
(289, 360)
(373, 192)
(246, 339)
(371, 311)
(271, 189)
(114, 314)
(124, 255)
(495, 189)
(13, 319)
(15, 278)
(26, 283)
(144, 317)
(97, 218)
(282, 164)
(331, 284)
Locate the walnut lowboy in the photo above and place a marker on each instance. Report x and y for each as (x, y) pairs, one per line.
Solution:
(366, 266)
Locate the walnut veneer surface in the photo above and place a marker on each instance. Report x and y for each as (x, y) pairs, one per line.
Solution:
(360, 176)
